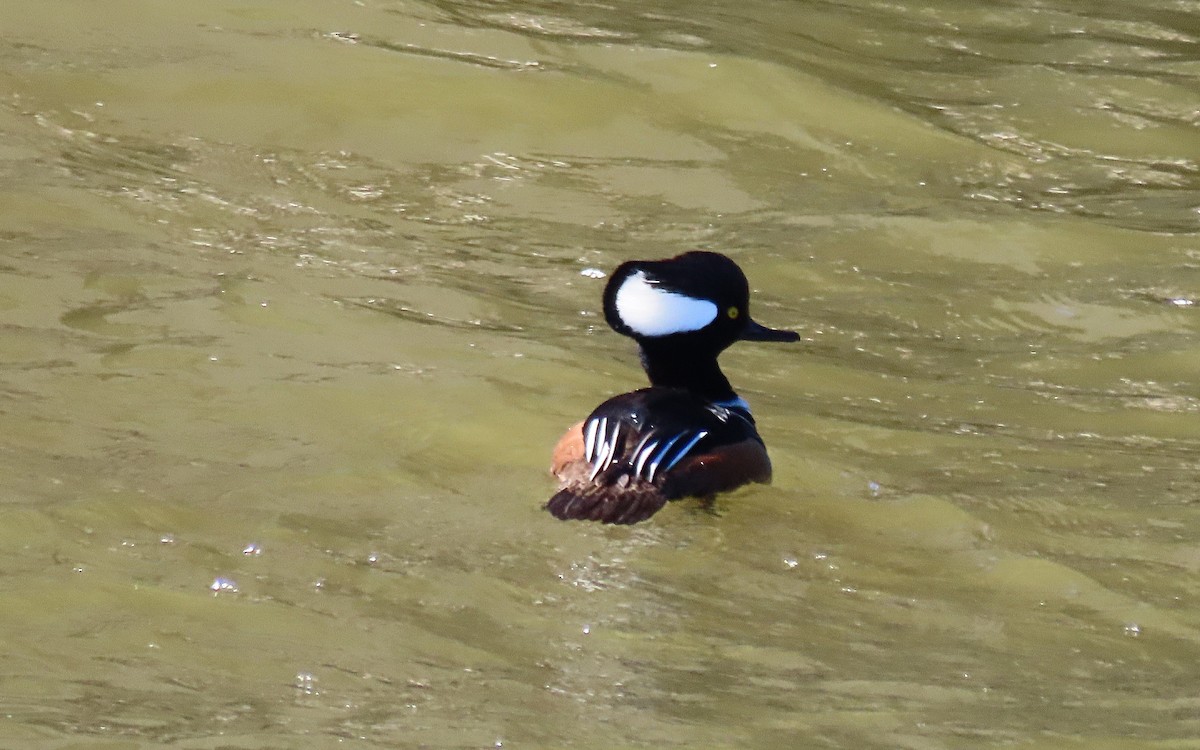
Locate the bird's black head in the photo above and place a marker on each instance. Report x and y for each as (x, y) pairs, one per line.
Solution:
(698, 301)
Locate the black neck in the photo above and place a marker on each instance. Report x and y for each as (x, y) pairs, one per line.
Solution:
(686, 368)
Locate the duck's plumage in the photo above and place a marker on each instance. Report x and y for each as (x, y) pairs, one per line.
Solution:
(688, 434)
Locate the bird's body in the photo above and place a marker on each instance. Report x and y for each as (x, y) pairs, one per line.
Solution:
(688, 434)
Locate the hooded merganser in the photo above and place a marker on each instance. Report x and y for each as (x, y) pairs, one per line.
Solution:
(688, 434)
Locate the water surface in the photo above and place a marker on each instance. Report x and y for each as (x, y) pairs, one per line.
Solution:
(296, 297)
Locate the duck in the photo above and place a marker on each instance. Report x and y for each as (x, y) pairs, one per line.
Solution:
(686, 435)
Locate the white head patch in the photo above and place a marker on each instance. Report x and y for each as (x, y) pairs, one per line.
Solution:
(651, 311)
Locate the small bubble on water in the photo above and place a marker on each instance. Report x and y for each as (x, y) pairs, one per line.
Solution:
(875, 488)
(306, 683)
(224, 586)
(252, 550)
(587, 629)
(592, 273)
(372, 558)
(1132, 629)
(790, 562)
(166, 539)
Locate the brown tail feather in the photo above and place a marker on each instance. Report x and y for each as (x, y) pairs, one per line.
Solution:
(607, 503)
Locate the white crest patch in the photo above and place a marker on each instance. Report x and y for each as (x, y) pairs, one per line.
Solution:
(651, 311)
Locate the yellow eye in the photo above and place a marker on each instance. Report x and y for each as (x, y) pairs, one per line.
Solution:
(733, 312)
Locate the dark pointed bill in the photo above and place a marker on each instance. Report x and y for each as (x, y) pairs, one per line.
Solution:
(755, 332)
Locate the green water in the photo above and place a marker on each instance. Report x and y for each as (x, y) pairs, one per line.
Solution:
(295, 297)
